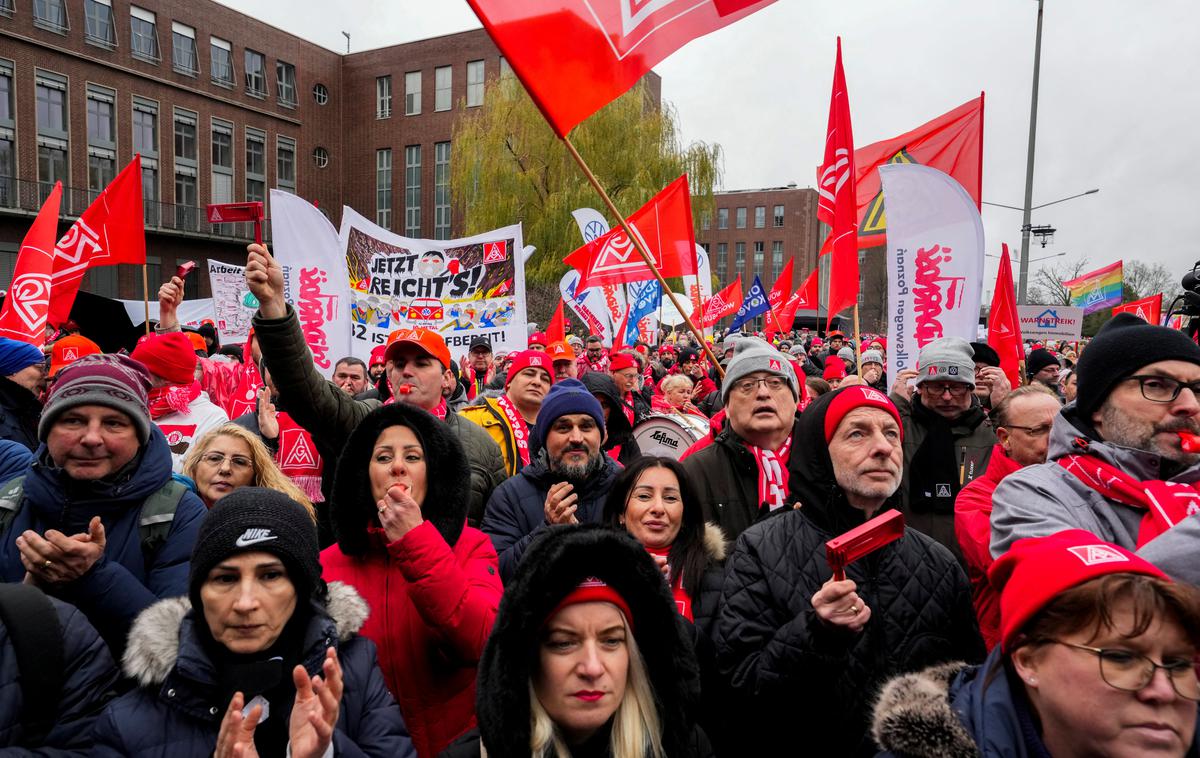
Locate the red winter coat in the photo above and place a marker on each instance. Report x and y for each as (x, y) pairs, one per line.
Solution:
(973, 526)
(432, 609)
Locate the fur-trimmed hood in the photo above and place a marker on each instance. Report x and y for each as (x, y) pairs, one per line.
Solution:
(447, 484)
(156, 637)
(914, 716)
(715, 544)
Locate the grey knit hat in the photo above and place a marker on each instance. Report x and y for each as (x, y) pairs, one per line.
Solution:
(872, 356)
(752, 354)
(949, 359)
(846, 354)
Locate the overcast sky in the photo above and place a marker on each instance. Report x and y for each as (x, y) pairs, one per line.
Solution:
(1119, 107)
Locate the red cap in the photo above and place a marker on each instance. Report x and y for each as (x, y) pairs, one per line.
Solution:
(835, 368)
(538, 338)
(169, 355)
(529, 359)
(560, 351)
(857, 396)
(621, 361)
(426, 339)
(594, 590)
(667, 349)
(1036, 569)
(377, 358)
(833, 334)
(70, 349)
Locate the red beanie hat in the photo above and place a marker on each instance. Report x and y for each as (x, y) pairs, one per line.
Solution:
(835, 368)
(377, 354)
(857, 396)
(1036, 569)
(529, 359)
(169, 355)
(594, 590)
(621, 361)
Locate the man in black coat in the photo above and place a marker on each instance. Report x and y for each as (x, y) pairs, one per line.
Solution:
(22, 379)
(807, 654)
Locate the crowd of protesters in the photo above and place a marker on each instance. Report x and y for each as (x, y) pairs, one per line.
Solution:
(212, 550)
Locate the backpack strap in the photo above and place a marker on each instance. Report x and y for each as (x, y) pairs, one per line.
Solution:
(12, 496)
(37, 639)
(158, 513)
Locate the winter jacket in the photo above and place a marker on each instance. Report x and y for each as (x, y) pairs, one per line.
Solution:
(617, 426)
(14, 457)
(973, 526)
(516, 514)
(330, 415)
(726, 479)
(1046, 498)
(433, 593)
(184, 429)
(88, 678)
(124, 581)
(486, 412)
(19, 413)
(176, 710)
(799, 680)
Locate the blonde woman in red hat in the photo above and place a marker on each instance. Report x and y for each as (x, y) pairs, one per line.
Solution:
(1097, 657)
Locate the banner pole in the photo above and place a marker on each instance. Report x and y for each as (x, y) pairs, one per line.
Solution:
(857, 341)
(637, 242)
(146, 295)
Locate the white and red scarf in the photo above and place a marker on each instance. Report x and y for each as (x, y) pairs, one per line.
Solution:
(1165, 503)
(172, 398)
(772, 473)
(520, 430)
(298, 457)
(438, 410)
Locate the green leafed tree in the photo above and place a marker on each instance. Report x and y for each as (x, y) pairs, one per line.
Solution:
(509, 166)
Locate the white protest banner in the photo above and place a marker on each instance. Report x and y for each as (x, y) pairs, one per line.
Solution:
(588, 305)
(698, 287)
(191, 313)
(1054, 322)
(304, 241)
(234, 305)
(934, 260)
(669, 314)
(462, 288)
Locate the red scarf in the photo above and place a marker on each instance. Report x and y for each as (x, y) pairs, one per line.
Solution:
(438, 410)
(520, 430)
(1165, 503)
(298, 457)
(772, 473)
(683, 600)
(172, 398)
(477, 384)
(627, 406)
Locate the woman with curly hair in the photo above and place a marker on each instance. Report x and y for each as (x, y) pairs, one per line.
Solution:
(230, 457)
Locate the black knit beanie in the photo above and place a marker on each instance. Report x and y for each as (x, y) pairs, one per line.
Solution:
(1039, 359)
(256, 519)
(1121, 348)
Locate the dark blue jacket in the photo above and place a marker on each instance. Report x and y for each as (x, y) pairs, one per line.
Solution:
(516, 511)
(87, 685)
(175, 713)
(19, 412)
(124, 581)
(14, 458)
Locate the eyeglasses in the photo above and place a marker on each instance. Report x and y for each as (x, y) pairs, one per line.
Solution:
(1163, 389)
(1131, 672)
(236, 461)
(956, 389)
(1032, 431)
(747, 387)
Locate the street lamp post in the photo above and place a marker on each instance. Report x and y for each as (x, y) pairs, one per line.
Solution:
(1022, 293)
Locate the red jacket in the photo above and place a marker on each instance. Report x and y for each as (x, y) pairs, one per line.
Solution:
(432, 609)
(973, 526)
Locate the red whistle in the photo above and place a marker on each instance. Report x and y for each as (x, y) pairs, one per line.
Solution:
(1190, 442)
(185, 268)
(404, 389)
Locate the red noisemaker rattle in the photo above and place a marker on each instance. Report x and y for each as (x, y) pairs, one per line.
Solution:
(863, 540)
(185, 268)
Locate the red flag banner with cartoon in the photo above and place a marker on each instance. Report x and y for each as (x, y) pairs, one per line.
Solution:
(724, 303)
(575, 56)
(461, 288)
(1004, 325)
(664, 225)
(112, 230)
(835, 188)
(27, 301)
(1148, 309)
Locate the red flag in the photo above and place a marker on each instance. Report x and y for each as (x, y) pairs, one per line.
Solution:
(724, 303)
(665, 227)
(112, 230)
(809, 292)
(1004, 326)
(575, 56)
(619, 335)
(1148, 309)
(778, 297)
(805, 297)
(28, 299)
(836, 206)
(557, 330)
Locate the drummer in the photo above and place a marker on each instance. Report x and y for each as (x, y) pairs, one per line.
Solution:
(676, 396)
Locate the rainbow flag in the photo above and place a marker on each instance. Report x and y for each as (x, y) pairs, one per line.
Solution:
(1102, 288)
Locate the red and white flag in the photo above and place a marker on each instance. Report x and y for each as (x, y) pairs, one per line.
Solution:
(576, 56)
(28, 298)
(805, 297)
(1148, 309)
(724, 303)
(112, 230)
(836, 205)
(778, 297)
(1004, 326)
(665, 227)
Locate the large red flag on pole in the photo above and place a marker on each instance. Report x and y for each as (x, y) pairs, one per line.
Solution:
(1148, 309)
(556, 330)
(805, 297)
(722, 304)
(836, 205)
(1004, 326)
(28, 299)
(778, 297)
(112, 230)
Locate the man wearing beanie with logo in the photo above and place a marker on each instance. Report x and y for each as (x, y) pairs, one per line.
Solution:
(96, 519)
(742, 476)
(566, 482)
(624, 369)
(510, 418)
(417, 363)
(22, 379)
(947, 436)
(1117, 464)
(177, 404)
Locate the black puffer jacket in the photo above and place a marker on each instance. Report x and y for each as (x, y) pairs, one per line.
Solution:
(19, 413)
(808, 684)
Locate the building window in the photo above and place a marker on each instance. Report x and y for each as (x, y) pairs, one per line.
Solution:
(320, 157)
(285, 83)
(760, 216)
(52, 167)
(779, 217)
(320, 94)
(441, 191)
(145, 143)
(383, 97)
(143, 34)
(722, 218)
(221, 53)
(739, 255)
(383, 188)
(706, 221)
(256, 166)
(474, 83)
(412, 190)
(722, 261)
(285, 164)
(505, 68)
(256, 74)
(98, 23)
(183, 49)
(222, 164)
(8, 152)
(741, 218)
(102, 138)
(52, 136)
(186, 163)
(758, 257)
(6, 9)
(777, 260)
(412, 93)
(51, 14)
(442, 79)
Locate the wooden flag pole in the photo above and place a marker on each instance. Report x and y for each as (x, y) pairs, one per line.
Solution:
(637, 242)
(146, 295)
(857, 342)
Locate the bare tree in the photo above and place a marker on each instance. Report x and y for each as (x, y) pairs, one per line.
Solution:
(1146, 279)
(1046, 287)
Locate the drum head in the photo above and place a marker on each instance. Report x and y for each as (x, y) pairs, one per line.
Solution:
(668, 436)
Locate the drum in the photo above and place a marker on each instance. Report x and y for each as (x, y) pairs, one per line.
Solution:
(669, 435)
